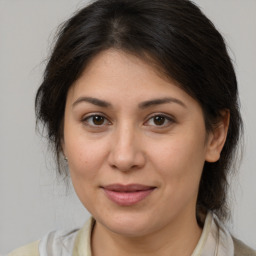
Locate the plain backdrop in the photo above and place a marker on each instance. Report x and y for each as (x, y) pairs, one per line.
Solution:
(32, 199)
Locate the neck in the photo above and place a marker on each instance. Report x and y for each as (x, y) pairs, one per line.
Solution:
(170, 240)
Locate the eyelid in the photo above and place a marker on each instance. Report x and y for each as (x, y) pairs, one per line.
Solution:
(91, 115)
(168, 117)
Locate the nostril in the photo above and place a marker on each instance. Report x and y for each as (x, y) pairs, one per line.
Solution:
(113, 166)
(126, 157)
(125, 168)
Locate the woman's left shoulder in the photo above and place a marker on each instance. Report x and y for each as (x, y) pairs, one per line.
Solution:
(242, 249)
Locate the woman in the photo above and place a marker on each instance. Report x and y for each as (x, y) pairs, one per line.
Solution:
(140, 102)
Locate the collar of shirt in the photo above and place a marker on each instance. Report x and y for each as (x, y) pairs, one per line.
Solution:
(215, 240)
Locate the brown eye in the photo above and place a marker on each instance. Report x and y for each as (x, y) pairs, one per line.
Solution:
(159, 120)
(96, 120)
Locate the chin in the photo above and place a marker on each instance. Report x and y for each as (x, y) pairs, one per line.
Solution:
(128, 225)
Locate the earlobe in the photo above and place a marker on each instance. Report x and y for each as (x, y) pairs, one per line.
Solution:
(217, 137)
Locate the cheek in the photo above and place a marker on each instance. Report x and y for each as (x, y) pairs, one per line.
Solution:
(180, 167)
(85, 162)
(85, 159)
(180, 162)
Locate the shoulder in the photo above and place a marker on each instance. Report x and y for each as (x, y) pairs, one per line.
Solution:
(59, 242)
(27, 250)
(54, 243)
(242, 249)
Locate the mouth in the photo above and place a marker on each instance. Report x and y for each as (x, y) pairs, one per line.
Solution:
(127, 195)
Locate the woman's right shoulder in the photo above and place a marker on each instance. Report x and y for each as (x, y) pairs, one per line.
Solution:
(58, 242)
(27, 250)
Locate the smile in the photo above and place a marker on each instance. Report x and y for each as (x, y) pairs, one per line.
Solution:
(127, 195)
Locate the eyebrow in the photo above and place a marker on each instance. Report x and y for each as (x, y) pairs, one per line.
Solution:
(94, 101)
(160, 101)
(142, 105)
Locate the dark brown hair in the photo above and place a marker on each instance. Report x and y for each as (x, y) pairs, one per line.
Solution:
(184, 45)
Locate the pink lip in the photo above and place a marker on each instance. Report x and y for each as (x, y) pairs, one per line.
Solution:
(126, 195)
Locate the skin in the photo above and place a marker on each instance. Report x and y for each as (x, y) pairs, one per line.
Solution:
(127, 145)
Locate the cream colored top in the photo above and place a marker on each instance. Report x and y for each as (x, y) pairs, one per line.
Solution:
(214, 241)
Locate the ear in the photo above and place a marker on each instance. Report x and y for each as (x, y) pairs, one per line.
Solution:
(217, 137)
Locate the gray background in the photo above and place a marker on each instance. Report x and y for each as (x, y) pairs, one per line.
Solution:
(32, 200)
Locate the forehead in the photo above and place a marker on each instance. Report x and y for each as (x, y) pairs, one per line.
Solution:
(117, 76)
(113, 62)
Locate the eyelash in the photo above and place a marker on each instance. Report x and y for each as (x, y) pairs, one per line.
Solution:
(167, 120)
(86, 119)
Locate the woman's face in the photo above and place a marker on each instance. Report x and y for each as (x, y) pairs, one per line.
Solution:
(136, 145)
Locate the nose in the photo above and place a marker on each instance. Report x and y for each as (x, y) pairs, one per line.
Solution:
(126, 150)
